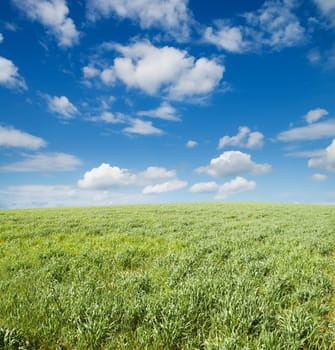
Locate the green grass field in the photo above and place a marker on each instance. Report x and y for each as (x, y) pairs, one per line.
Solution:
(181, 276)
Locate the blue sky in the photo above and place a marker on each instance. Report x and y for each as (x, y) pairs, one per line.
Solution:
(118, 101)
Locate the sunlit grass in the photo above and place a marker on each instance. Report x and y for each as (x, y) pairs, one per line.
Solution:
(183, 276)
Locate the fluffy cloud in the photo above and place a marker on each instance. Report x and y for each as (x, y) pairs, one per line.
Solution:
(45, 162)
(205, 187)
(235, 186)
(233, 163)
(106, 176)
(1, 38)
(165, 111)
(314, 131)
(62, 106)
(90, 72)
(244, 138)
(142, 127)
(168, 186)
(326, 161)
(225, 37)
(319, 177)
(171, 15)
(191, 144)
(11, 137)
(327, 8)
(9, 75)
(53, 14)
(167, 70)
(315, 114)
(274, 25)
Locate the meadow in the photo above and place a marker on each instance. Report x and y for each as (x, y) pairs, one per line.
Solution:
(174, 276)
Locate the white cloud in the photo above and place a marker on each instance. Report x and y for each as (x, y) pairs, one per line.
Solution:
(315, 115)
(191, 144)
(45, 162)
(168, 186)
(62, 106)
(90, 72)
(106, 176)
(314, 131)
(171, 15)
(205, 187)
(327, 8)
(274, 25)
(110, 118)
(166, 70)
(199, 80)
(244, 138)
(233, 163)
(108, 76)
(11, 137)
(319, 177)
(153, 173)
(53, 14)
(255, 140)
(235, 186)
(142, 127)
(9, 75)
(1, 38)
(226, 37)
(165, 111)
(326, 161)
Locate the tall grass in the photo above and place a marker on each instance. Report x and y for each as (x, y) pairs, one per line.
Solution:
(183, 276)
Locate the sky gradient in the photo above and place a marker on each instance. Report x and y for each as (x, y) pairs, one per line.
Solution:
(151, 101)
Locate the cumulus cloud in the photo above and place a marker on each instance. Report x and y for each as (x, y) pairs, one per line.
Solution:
(168, 186)
(167, 70)
(90, 72)
(9, 75)
(11, 137)
(319, 177)
(235, 186)
(232, 163)
(205, 187)
(274, 25)
(106, 176)
(315, 131)
(191, 144)
(165, 111)
(226, 37)
(142, 127)
(325, 161)
(327, 8)
(315, 115)
(171, 15)
(62, 106)
(45, 162)
(52, 14)
(244, 138)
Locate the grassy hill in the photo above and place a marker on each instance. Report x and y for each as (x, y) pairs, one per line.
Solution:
(181, 276)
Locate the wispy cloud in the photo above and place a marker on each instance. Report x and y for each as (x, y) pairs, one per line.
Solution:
(11, 137)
